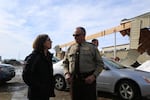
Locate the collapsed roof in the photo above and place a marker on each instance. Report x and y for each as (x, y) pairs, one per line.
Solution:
(139, 33)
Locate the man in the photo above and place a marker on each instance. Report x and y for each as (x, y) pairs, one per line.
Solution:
(82, 64)
(95, 42)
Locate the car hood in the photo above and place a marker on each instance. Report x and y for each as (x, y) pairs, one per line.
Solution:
(58, 68)
(59, 63)
(135, 72)
(145, 66)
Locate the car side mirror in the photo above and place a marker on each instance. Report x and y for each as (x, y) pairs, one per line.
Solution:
(106, 68)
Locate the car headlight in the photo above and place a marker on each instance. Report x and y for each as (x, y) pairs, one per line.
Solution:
(2, 69)
(146, 79)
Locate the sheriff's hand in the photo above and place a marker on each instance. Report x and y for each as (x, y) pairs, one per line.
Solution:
(90, 79)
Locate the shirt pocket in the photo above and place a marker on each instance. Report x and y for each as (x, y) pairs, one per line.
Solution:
(85, 53)
(71, 57)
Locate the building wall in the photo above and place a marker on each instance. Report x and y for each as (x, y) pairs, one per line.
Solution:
(118, 47)
(122, 54)
(119, 53)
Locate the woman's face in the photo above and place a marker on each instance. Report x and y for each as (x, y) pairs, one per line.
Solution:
(48, 43)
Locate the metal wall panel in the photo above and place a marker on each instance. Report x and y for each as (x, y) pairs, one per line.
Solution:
(135, 34)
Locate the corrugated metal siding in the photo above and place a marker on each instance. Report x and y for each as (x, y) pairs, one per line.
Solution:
(138, 23)
(118, 47)
(135, 34)
(121, 54)
(145, 21)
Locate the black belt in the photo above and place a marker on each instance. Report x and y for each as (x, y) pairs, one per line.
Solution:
(83, 75)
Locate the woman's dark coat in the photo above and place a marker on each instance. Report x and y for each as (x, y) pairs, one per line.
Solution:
(41, 82)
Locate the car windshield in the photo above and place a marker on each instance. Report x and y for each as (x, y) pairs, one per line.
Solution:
(113, 64)
(55, 59)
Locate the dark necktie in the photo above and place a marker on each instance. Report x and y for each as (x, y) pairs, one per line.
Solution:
(77, 60)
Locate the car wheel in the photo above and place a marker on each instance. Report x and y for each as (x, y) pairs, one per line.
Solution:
(60, 83)
(127, 90)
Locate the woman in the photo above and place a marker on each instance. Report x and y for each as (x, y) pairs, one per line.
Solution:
(39, 64)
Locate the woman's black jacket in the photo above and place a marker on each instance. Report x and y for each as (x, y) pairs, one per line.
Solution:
(41, 79)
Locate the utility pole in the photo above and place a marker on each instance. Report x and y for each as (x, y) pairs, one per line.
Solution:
(114, 43)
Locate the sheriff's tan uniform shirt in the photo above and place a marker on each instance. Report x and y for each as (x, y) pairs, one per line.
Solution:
(89, 57)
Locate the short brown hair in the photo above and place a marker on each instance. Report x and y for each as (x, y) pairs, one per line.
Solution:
(94, 40)
(39, 41)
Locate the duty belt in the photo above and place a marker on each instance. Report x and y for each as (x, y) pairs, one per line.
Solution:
(83, 75)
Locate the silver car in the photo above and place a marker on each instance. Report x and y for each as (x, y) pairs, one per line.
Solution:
(128, 83)
(60, 82)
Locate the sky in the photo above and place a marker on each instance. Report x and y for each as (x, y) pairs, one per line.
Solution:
(22, 20)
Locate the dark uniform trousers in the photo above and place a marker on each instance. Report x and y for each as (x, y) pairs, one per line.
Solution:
(32, 96)
(82, 91)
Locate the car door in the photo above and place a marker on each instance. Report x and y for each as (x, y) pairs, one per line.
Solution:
(105, 81)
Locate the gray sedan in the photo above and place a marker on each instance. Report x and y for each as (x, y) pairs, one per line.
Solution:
(128, 83)
(7, 72)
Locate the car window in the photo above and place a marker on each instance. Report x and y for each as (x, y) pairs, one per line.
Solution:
(113, 64)
(55, 59)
